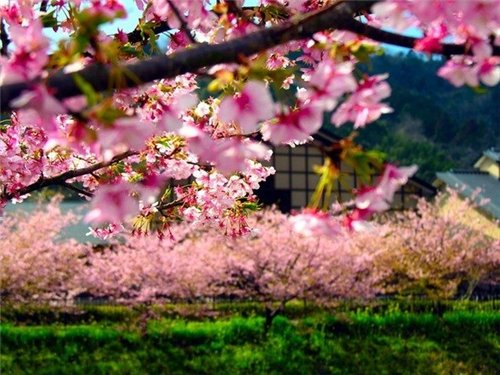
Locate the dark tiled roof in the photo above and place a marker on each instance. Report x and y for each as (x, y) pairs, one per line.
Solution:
(467, 181)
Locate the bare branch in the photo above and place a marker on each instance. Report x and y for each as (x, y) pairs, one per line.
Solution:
(192, 59)
(395, 39)
(63, 177)
(76, 189)
(43, 5)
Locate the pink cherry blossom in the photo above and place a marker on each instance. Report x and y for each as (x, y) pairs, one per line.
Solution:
(29, 56)
(103, 233)
(172, 112)
(393, 14)
(460, 71)
(126, 132)
(489, 71)
(378, 198)
(329, 82)
(110, 9)
(194, 12)
(293, 127)
(199, 142)
(247, 108)
(231, 155)
(313, 223)
(364, 106)
(482, 17)
(112, 203)
(432, 40)
(44, 104)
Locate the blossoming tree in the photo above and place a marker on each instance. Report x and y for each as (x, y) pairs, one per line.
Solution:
(116, 120)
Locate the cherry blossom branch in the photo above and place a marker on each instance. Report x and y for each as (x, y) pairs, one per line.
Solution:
(62, 178)
(137, 35)
(202, 55)
(184, 25)
(395, 39)
(338, 15)
(167, 205)
(233, 7)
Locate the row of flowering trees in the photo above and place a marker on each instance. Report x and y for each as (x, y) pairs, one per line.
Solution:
(422, 252)
(116, 120)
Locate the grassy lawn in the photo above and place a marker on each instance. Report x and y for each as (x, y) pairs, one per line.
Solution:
(452, 338)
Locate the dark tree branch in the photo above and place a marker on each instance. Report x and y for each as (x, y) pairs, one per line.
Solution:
(394, 39)
(61, 179)
(137, 36)
(4, 37)
(203, 55)
(76, 189)
(43, 5)
(338, 15)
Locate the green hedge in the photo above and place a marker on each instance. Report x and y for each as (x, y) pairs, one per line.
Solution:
(351, 342)
(113, 314)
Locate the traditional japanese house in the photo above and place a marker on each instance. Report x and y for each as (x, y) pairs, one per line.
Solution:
(295, 180)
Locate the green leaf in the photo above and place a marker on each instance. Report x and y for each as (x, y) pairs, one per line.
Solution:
(363, 51)
(87, 89)
(49, 19)
(133, 51)
(108, 114)
(479, 90)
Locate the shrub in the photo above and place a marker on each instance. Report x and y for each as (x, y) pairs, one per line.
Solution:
(35, 263)
(425, 252)
(431, 252)
(271, 264)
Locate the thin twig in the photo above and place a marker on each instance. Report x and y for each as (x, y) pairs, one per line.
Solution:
(43, 5)
(4, 37)
(233, 7)
(76, 189)
(62, 178)
(383, 36)
(184, 25)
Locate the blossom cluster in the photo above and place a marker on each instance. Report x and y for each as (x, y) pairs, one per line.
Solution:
(472, 23)
(369, 201)
(162, 151)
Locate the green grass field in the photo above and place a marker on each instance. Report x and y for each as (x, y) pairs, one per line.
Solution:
(452, 338)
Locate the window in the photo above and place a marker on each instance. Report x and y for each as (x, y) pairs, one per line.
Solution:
(295, 178)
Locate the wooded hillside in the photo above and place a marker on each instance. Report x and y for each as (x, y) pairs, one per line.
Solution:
(434, 124)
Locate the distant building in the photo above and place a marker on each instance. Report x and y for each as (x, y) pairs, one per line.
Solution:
(295, 180)
(482, 183)
(485, 178)
(490, 162)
